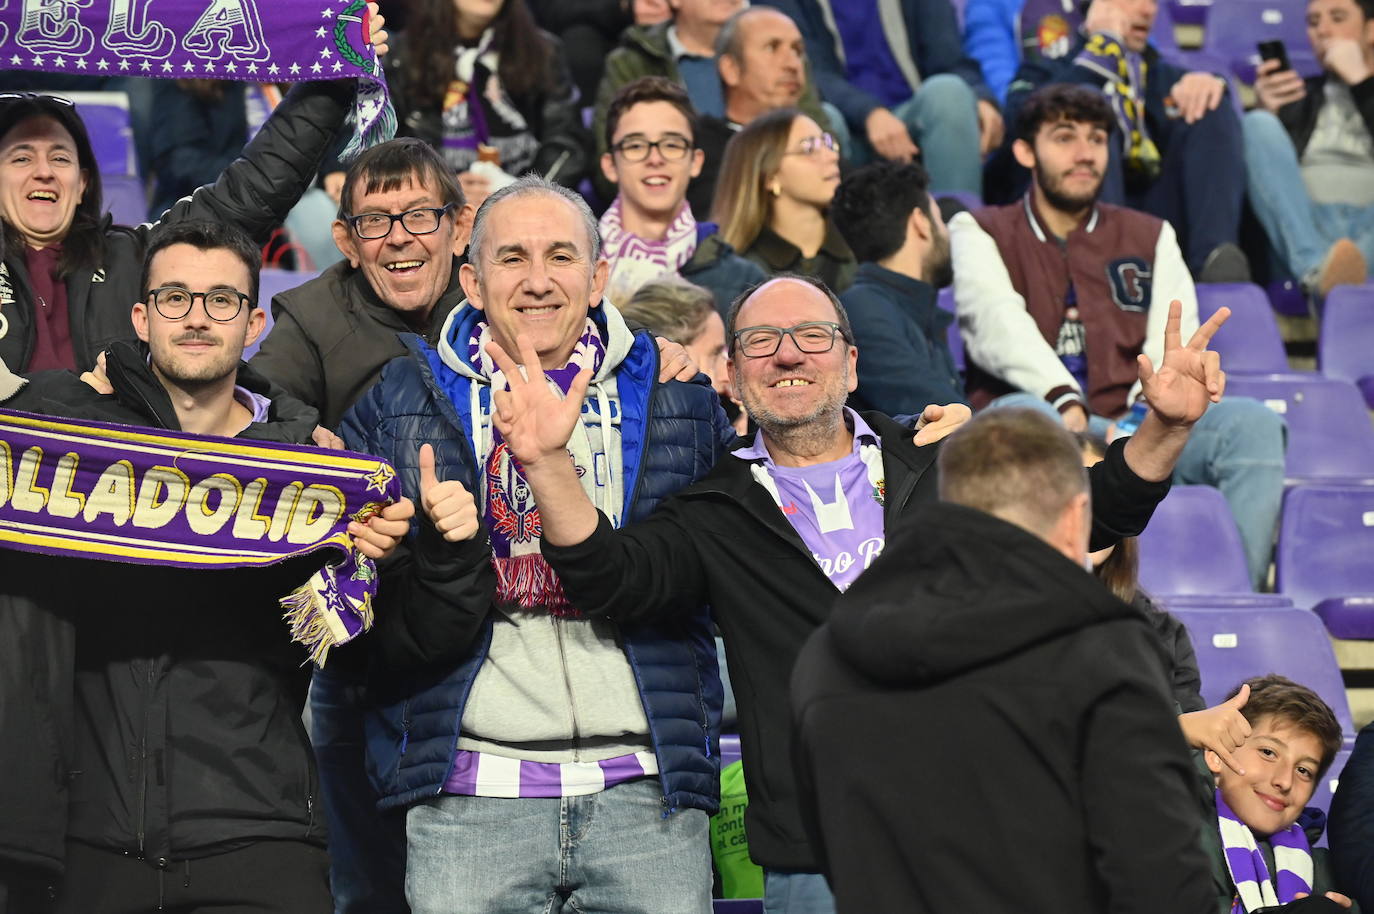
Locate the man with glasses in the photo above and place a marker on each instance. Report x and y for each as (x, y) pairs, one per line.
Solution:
(649, 229)
(191, 783)
(788, 519)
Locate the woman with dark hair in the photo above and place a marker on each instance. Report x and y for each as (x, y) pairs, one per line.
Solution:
(479, 81)
(776, 182)
(70, 275)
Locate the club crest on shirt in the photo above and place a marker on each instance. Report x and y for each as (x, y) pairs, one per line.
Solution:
(1129, 278)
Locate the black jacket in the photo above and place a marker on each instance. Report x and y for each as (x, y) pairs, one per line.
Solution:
(723, 541)
(902, 334)
(982, 726)
(189, 690)
(1300, 117)
(255, 193)
(332, 336)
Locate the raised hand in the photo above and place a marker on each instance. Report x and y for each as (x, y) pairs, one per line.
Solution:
(1189, 377)
(1220, 729)
(377, 35)
(448, 505)
(534, 422)
(380, 536)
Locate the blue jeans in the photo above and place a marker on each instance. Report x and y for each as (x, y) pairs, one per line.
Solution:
(613, 852)
(1238, 447)
(786, 892)
(367, 850)
(1300, 231)
(942, 118)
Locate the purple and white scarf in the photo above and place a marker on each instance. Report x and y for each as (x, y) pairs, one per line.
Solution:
(1255, 888)
(243, 40)
(635, 260)
(523, 577)
(97, 490)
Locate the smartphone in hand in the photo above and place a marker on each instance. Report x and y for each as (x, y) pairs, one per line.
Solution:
(1274, 50)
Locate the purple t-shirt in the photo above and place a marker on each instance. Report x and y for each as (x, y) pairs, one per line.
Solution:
(836, 507)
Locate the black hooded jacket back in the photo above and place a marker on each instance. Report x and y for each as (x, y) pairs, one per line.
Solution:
(981, 726)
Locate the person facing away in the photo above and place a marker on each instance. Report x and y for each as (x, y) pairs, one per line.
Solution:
(1059, 295)
(981, 725)
(1257, 828)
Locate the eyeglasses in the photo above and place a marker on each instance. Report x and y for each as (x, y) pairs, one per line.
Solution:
(174, 302)
(811, 337)
(812, 145)
(672, 148)
(421, 221)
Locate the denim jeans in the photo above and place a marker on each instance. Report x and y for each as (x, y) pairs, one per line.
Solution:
(1238, 447)
(942, 118)
(612, 852)
(1300, 231)
(366, 848)
(787, 892)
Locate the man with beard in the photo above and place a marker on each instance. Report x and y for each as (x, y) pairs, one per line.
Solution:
(896, 231)
(789, 518)
(1058, 295)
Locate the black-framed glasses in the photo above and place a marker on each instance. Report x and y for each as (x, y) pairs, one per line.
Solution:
(420, 221)
(174, 302)
(812, 145)
(811, 337)
(636, 149)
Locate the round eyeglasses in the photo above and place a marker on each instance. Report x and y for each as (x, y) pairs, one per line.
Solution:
(812, 337)
(813, 145)
(174, 302)
(636, 149)
(420, 221)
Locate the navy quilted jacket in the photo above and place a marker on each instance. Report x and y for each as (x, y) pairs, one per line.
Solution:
(440, 601)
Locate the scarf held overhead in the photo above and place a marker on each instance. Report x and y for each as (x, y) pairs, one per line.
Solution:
(247, 40)
(95, 490)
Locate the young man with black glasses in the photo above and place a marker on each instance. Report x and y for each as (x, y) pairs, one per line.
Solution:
(649, 229)
(188, 777)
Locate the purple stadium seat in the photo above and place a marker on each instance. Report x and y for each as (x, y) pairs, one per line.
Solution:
(1192, 546)
(1189, 12)
(1346, 347)
(956, 342)
(1326, 541)
(729, 749)
(1330, 438)
(1287, 297)
(738, 905)
(125, 199)
(1234, 644)
(1250, 340)
(270, 282)
(1236, 26)
(106, 116)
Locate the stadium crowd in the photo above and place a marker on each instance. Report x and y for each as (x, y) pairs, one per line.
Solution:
(643, 310)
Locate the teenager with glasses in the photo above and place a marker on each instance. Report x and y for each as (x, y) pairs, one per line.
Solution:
(649, 230)
(70, 273)
(773, 195)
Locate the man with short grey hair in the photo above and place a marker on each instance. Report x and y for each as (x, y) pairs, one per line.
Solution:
(545, 760)
(1040, 701)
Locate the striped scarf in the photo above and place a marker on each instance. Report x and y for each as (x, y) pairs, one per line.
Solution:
(1125, 74)
(1244, 861)
(635, 260)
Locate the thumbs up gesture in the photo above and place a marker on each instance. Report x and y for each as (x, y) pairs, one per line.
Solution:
(1219, 729)
(448, 505)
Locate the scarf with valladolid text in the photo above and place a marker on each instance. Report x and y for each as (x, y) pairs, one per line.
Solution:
(1245, 863)
(247, 40)
(96, 490)
(523, 577)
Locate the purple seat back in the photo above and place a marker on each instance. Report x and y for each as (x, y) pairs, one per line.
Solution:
(1234, 644)
(1192, 546)
(1250, 340)
(729, 749)
(106, 116)
(1346, 346)
(1189, 12)
(1330, 438)
(1326, 543)
(1235, 27)
(270, 282)
(125, 199)
(945, 298)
